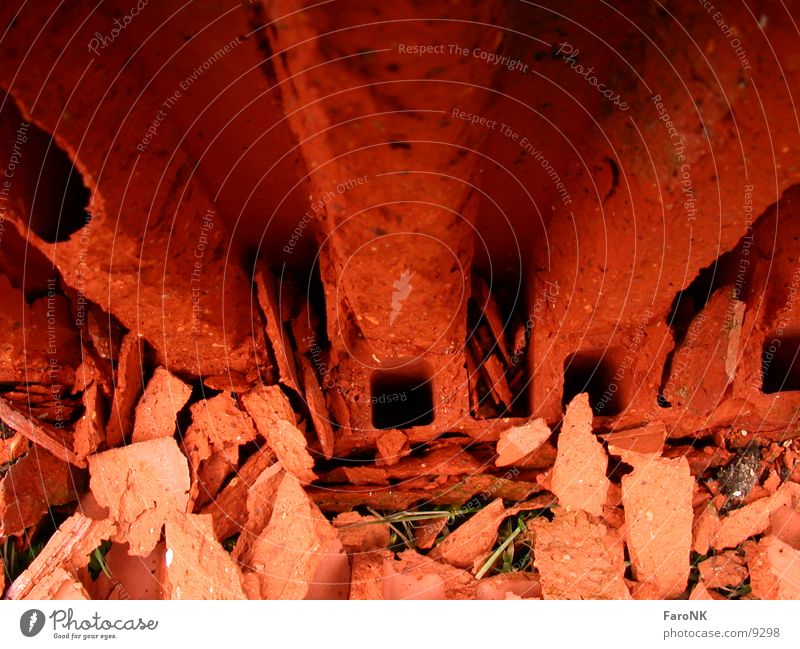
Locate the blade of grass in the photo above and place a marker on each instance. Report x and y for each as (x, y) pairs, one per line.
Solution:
(738, 592)
(393, 527)
(97, 561)
(400, 517)
(402, 536)
(101, 561)
(496, 554)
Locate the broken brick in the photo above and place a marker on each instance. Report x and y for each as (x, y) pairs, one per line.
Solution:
(699, 592)
(392, 446)
(784, 523)
(212, 443)
(128, 386)
(579, 475)
(68, 549)
(317, 408)
(427, 531)
(260, 502)
(286, 556)
(455, 490)
(60, 584)
(578, 559)
(724, 570)
(197, 566)
(774, 569)
(645, 441)
(413, 576)
(704, 364)
(361, 533)
(752, 519)
(517, 442)
(445, 460)
(657, 498)
(89, 431)
(12, 447)
(33, 484)
(156, 412)
(32, 330)
(229, 509)
(643, 590)
(54, 439)
(525, 585)
(367, 575)
(704, 528)
(132, 577)
(141, 484)
(472, 539)
(331, 581)
(412, 584)
(276, 335)
(274, 419)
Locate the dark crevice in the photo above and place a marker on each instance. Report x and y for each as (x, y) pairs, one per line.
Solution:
(258, 25)
(47, 189)
(780, 363)
(596, 372)
(690, 302)
(316, 305)
(734, 269)
(402, 397)
(497, 351)
(614, 178)
(183, 419)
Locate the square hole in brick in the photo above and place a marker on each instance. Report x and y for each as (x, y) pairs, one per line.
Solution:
(595, 372)
(401, 397)
(780, 363)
